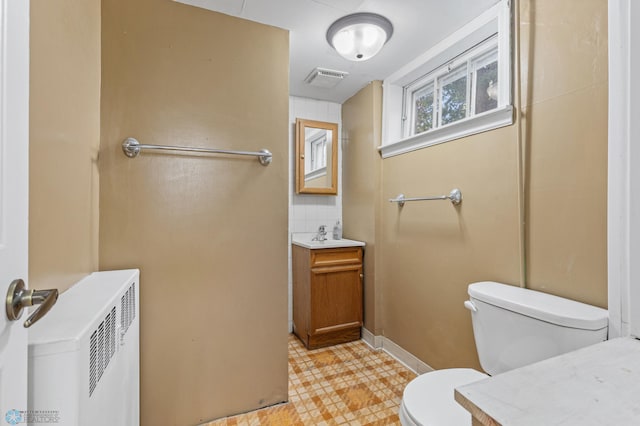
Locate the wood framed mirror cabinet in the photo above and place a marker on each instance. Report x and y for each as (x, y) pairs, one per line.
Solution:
(316, 157)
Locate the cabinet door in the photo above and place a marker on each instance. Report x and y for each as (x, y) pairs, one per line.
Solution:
(336, 298)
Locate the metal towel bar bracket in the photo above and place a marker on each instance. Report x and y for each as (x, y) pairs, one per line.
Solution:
(455, 196)
(131, 148)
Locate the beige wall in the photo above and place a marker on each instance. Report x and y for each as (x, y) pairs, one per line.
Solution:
(209, 234)
(361, 129)
(64, 141)
(430, 252)
(433, 250)
(565, 96)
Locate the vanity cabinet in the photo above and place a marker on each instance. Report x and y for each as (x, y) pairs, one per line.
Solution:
(327, 295)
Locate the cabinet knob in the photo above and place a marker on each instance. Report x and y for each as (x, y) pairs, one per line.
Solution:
(361, 275)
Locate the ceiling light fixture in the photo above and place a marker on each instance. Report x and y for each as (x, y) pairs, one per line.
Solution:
(360, 36)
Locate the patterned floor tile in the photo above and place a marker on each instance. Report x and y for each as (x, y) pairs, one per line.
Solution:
(349, 384)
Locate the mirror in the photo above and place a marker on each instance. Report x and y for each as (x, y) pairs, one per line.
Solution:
(316, 157)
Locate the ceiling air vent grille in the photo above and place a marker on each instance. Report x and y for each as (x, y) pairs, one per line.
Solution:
(325, 78)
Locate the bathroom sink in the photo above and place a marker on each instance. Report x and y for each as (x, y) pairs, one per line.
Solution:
(306, 240)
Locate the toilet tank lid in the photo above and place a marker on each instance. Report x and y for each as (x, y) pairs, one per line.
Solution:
(542, 306)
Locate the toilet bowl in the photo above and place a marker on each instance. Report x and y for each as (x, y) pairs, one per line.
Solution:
(512, 327)
(428, 399)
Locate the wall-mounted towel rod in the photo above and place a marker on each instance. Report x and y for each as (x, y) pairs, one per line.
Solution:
(455, 196)
(131, 147)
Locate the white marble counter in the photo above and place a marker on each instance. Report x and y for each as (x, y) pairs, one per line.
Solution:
(597, 385)
(306, 240)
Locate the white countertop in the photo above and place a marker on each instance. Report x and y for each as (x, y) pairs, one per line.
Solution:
(596, 385)
(306, 240)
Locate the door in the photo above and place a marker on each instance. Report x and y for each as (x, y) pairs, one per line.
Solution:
(633, 89)
(624, 176)
(14, 187)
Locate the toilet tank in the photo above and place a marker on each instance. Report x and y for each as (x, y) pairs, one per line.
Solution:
(514, 327)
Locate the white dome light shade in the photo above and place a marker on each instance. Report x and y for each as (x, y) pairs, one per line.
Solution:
(360, 36)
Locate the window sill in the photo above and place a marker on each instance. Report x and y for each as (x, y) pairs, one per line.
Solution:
(480, 123)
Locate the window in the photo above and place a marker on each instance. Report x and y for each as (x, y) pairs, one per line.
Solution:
(460, 87)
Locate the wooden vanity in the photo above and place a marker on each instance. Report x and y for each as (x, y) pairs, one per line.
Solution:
(327, 293)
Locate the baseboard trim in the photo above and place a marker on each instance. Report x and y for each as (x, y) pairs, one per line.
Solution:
(371, 339)
(403, 356)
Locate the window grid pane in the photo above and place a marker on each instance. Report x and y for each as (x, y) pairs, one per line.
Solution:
(423, 109)
(485, 77)
(453, 96)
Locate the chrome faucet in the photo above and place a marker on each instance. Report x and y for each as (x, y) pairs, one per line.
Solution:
(322, 234)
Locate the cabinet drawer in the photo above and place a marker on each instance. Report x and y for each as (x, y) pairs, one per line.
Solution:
(339, 256)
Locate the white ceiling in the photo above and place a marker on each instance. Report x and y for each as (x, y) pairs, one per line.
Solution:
(418, 25)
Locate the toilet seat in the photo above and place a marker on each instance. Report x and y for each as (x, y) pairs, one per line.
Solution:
(429, 398)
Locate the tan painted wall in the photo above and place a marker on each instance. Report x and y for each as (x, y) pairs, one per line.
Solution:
(208, 234)
(64, 141)
(432, 251)
(566, 93)
(361, 129)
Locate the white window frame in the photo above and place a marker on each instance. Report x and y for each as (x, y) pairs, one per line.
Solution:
(448, 54)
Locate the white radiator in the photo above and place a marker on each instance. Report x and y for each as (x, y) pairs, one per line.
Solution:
(84, 357)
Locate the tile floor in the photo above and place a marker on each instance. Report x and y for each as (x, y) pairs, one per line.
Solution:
(348, 384)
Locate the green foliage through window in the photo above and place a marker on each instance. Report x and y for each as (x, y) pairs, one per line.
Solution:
(454, 100)
(424, 112)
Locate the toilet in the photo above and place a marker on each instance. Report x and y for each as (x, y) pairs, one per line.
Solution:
(512, 327)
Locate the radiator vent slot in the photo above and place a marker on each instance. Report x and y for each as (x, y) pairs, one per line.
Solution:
(128, 308)
(93, 353)
(110, 336)
(100, 362)
(102, 347)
